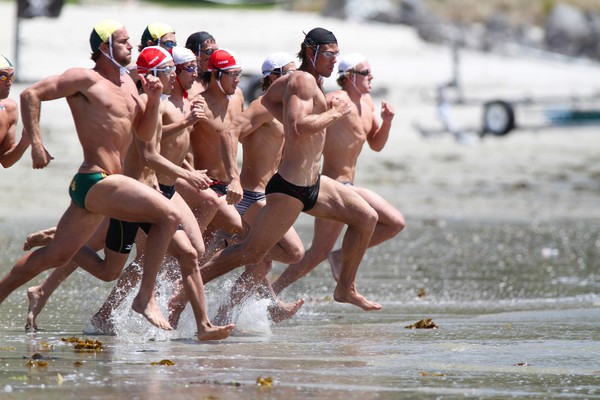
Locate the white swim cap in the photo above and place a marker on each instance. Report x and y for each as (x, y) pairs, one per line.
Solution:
(181, 55)
(275, 61)
(349, 62)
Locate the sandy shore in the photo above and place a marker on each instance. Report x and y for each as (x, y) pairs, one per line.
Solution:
(546, 174)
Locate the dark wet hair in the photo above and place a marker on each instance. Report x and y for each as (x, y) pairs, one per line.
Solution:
(205, 76)
(195, 40)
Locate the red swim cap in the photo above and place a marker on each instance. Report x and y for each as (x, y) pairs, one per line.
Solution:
(152, 57)
(223, 60)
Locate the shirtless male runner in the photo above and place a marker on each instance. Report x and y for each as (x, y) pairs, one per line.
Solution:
(108, 113)
(111, 267)
(261, 136)
(343, 143)
(178, 115)
(10, 150)
(298, 102)
(187, 246)
(224, 102)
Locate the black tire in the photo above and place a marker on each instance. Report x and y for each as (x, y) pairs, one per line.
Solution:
(498, 117)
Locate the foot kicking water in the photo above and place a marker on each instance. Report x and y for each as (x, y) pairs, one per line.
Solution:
(212, 332)
(152, 313)
(281, 311)
(102, 326)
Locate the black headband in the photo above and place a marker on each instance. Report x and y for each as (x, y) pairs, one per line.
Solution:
(319, 36)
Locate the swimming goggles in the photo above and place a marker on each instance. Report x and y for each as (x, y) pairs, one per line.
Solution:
(5, 77)
(329, 54)
(365, 72)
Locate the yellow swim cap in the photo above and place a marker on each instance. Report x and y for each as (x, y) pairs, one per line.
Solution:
(159, 29)
(102, 32)
(155, 31)
(5, 63)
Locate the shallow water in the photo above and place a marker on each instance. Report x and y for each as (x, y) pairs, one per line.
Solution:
(516, 303)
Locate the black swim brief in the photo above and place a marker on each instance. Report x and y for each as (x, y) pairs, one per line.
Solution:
(306, 194)
(219, 187)
(167, 191)
(120, 236)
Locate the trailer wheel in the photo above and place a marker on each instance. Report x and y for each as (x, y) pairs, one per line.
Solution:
(498, 117)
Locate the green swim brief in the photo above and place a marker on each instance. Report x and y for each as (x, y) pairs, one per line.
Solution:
(81, 184)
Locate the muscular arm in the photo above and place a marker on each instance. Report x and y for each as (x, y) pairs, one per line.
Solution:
(242, 126)
(11, 152)
(302, 113)
(196, 114)
(68, 84)
(152, 159)
(378, 136)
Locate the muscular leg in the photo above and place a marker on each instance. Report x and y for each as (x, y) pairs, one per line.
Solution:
(151, 207)
(39, 295)
(390, 222)
(184, 252)
(271, 223)
(128, 279)
(343, 204)
(288, 249)
(228, 221)
(325, 235)
(73, 230)
(204, 203)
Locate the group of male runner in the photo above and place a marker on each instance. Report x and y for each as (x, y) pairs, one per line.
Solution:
(163, 144)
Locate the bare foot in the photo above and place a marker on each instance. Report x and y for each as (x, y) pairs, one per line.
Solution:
(152, 313)
(224, 315)
(102, 326)
(176, 305)
(351, 296)
(335, 262)
(39, 238)
(282, 311)
(36, 298)
(212, 332)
